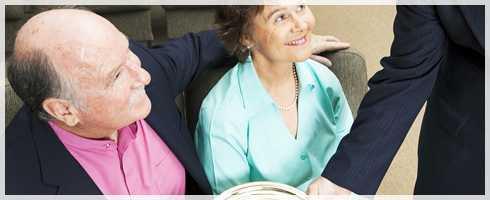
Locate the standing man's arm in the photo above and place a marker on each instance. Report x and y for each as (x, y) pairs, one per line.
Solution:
(397, 93)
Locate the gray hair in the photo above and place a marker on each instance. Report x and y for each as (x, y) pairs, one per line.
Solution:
(34, 78)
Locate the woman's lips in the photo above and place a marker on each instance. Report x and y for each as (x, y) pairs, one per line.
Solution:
(297, 42)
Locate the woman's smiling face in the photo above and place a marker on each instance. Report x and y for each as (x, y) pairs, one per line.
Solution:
(282, 33)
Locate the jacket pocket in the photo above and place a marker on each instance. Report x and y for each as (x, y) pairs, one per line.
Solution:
(446, 115)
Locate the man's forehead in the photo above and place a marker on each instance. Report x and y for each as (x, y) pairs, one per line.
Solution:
(64, 26)
(94, 58)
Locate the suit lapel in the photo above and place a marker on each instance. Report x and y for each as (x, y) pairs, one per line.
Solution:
(58, 166)
(181, 146)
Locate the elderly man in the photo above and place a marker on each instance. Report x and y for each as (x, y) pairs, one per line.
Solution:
(93, 122)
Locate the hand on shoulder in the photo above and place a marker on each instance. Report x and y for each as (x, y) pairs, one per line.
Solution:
(320, 43)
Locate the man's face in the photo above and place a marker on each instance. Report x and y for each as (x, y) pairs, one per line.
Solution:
(111, 80)
(95, 59)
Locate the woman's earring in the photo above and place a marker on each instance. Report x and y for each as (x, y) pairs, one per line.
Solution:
(248, 47)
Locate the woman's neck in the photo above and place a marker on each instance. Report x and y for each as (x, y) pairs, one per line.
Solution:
(273, 75)
(277, 79)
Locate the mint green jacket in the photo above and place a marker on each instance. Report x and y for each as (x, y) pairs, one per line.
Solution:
(241, 137)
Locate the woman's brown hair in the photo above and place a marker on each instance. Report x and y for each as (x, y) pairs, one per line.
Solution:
(235, 23)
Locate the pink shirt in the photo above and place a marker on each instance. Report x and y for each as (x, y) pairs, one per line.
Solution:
(141, 164)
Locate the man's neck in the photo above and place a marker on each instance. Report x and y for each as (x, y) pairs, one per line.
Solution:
(93, 134)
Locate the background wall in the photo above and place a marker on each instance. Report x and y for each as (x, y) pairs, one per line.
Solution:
(370, 30)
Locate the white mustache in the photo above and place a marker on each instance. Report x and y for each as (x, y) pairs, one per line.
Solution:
(135, 96)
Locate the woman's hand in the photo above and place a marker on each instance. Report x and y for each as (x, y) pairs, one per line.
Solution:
(321, 43)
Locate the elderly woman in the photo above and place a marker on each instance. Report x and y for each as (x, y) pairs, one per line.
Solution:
(276, 116)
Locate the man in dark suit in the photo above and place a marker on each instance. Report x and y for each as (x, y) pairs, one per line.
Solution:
(438, 56)
(75, 69)
(85, 84)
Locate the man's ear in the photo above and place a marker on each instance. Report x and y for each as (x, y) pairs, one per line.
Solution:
(61, 110)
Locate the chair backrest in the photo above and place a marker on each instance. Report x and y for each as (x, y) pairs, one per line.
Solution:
(13, 21)
(349, 66)
(182, 19)
(132, 20)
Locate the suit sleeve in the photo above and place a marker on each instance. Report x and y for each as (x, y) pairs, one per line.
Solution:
(182, 61)
(397, 93)
(221, 143)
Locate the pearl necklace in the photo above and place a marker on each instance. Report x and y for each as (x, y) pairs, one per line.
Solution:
(296, 96)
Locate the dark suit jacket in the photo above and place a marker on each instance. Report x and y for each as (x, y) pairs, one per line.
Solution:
(38, 163)
(437, 55)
